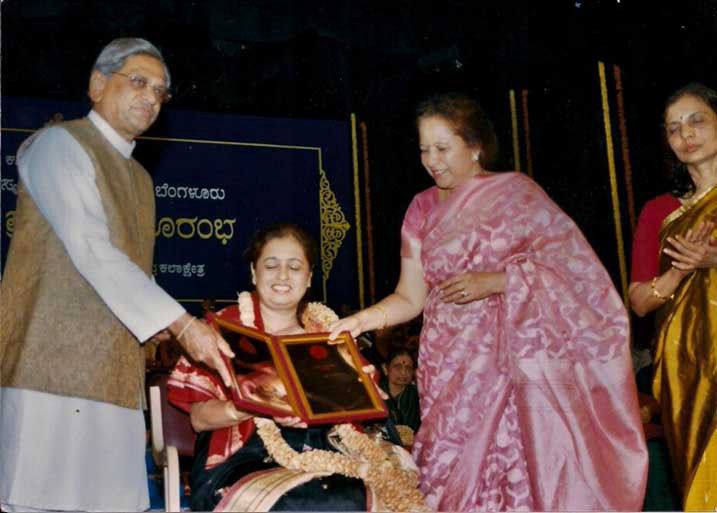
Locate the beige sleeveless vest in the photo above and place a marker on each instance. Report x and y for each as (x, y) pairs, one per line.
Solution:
(57, 335)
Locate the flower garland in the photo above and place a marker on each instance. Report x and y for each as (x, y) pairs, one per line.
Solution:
(405, 433)
(246, 309)
(318, 317)
(315, 318)
(396, 487)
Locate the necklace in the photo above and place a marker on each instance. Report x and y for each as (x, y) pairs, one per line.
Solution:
(696, 197)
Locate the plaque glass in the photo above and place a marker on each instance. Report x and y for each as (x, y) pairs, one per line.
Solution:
(299, 375)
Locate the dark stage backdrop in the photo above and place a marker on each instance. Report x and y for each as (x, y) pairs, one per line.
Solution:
(218, 178)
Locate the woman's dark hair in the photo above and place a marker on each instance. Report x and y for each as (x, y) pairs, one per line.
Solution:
(680, 179)
(400, 351)
(279, 231)
(468, 119)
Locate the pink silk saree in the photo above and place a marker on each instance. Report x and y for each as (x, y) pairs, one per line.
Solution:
(528, 401)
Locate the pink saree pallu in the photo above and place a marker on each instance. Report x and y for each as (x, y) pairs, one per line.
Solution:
(528, 401)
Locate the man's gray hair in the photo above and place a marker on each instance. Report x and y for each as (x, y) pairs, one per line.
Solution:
(113, 56)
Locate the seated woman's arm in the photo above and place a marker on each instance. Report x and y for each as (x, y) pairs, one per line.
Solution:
(215, 414)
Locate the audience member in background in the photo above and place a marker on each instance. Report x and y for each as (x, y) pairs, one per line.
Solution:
(78, 301)
(397, 382)
(674, 273)
(528, 399)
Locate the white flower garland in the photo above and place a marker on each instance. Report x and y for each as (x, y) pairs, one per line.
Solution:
(246, 309)
(316, 316)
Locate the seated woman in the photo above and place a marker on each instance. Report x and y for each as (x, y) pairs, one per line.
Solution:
(399, 371)
(239, 457)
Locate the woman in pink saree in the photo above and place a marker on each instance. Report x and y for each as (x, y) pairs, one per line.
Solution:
(528, 401)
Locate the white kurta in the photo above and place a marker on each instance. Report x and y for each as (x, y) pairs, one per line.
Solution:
(61, 452)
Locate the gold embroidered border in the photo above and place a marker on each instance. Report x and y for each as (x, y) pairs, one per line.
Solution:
(333, 227)
(685, 207)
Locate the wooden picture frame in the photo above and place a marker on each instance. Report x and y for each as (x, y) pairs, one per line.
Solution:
(299, 375)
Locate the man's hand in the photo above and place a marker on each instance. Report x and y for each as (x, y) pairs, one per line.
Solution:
(202, 344)
(162, 336)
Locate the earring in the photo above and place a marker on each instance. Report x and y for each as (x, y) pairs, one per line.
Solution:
(476, 157)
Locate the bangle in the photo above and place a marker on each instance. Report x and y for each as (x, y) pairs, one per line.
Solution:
(385, 316)
(188, 323)
(657, 294)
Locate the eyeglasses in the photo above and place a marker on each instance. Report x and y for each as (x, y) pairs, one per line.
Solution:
(139, 83)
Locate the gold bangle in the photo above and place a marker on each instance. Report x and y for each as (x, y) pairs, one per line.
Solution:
(385, 316)
(186, 325)
(657, 294)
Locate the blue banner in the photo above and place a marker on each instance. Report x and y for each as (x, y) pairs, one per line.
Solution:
(219, 178)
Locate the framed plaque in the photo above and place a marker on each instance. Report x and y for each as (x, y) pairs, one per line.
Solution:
(299, 375)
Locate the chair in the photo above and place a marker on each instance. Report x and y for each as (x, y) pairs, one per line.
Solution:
(172, 437)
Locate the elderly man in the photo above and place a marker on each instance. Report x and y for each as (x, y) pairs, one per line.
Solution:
(78, 300)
